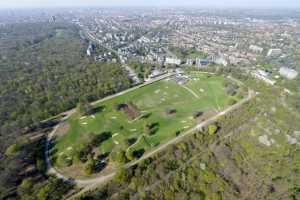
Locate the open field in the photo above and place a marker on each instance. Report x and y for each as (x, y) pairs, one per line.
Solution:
(153, 115)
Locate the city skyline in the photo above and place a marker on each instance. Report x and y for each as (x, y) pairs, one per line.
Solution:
(152, 3)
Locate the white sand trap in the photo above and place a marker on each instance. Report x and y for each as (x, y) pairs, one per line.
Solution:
(133, 130)
(114, 117)
(156, 91)
(84, 123)
(83, 117)
(194, 79)
(116, 142)
(167, 87)
(183, 121)
(93, 116)
(201, 90)
(186, 127)
(191, 117)
(69, 158)
(116, 134)
(69, 148)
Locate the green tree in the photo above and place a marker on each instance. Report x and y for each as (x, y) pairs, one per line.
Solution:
(212, 129)
(25, 189)
(122, 175)
(12, 150)
(90, 165)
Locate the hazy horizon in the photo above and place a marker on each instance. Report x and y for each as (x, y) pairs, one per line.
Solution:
(152, 3)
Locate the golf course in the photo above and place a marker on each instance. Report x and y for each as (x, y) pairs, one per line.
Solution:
(144, 118)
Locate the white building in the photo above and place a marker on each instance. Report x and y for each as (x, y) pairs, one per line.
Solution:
(256, 49)
(288, 73)
(173, 61)
(189, 61)
(221, 61)
(263, 75)
(274, 52)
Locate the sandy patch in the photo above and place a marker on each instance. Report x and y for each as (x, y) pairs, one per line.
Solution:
(116, 142)
(62, 129)
(157, 91)
(116, 134)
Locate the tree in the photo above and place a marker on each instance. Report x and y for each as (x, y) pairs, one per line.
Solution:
(231, 101)
(90, 166)
(122, 175)
(25, 188)
(119, 156)
(12, 150)
(212, 129)
(170, 111)
(64, 160)
(84, 107)
(197, 114)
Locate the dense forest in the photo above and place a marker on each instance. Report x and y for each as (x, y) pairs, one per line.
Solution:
(44, 71)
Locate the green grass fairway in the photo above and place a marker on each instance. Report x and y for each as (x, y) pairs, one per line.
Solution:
(202, 93)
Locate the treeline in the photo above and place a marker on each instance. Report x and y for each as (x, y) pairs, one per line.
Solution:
(43, 72)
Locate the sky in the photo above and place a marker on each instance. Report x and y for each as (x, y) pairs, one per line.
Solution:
(105, 3)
